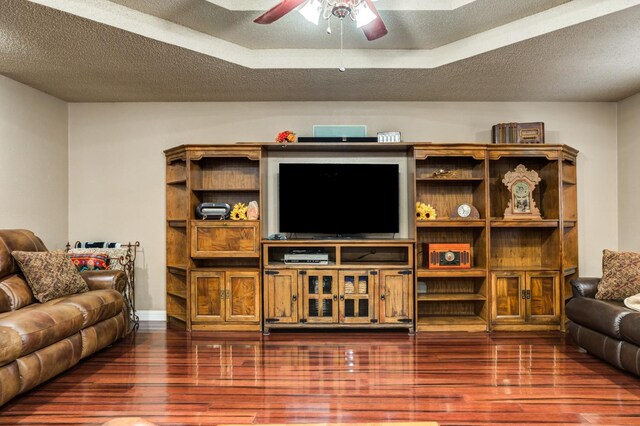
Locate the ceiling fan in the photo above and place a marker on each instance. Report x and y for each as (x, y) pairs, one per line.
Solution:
(363, 12)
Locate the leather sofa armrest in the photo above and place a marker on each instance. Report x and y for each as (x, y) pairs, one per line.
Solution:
(101, 280)
(585, 287)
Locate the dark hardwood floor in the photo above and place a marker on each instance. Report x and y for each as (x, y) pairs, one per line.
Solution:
(172, 377)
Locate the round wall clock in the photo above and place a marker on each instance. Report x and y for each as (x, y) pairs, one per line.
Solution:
(465, 211)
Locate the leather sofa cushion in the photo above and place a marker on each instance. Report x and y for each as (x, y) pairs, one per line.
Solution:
(630, 328)
(14, 293)
(9, 382)
(10, 345)
(49, 362)
(40, 325)
(103, 334)
(16, 239)
(95, 306)
(601, 315)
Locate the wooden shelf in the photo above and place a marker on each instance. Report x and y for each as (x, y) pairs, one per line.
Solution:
(457, 223)
(225, 189)
(450, 297)
(570, 270)
(452, 320)
(179, 317)
(458, 179)
(177, 182)
(177, 223)
(179, 268)
(452, 273)
(177, 294)
(533, 223)
(569, 223)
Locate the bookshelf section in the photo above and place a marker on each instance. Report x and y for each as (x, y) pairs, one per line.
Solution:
(213, 266)
(452, 299)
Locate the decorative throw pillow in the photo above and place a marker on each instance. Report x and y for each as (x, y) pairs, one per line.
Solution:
(90, 261)
(620, 275)
(50, 274)
(113, 253)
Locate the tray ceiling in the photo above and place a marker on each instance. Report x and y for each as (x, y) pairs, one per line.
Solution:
(210, 50)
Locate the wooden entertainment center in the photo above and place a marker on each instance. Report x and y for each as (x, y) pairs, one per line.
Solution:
(226, 274)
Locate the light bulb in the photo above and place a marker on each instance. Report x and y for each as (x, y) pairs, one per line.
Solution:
(311, 11)
(364, 15)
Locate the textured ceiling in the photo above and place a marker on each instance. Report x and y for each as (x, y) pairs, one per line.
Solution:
(80, 60)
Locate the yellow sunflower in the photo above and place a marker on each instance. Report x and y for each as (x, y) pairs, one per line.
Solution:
(239, 212)
(425, 211)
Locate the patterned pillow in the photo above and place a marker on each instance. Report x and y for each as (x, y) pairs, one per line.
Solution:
(620, 275)
(50, 274)
(113, 253)
(90, 261)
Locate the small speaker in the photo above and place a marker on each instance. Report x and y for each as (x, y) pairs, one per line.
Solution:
(218, 211)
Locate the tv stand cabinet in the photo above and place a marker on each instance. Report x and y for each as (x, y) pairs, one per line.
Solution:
(222, 275)
(366, 284)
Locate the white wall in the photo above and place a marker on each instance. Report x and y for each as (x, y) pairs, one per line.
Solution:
(117, 164)
(628, 178)
(33, 162)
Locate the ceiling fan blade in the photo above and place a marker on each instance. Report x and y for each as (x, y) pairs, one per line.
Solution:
(376, 28)
(278, 11)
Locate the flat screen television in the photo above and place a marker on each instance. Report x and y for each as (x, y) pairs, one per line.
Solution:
(339, 199)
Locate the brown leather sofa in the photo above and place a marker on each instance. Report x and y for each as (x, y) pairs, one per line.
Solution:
(604, 328)
(40, 340)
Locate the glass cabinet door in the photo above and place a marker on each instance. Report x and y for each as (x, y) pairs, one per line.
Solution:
(356, 296)
(320, 296)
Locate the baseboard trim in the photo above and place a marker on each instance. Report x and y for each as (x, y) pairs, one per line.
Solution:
(152, 315)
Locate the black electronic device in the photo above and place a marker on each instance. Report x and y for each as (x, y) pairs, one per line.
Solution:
(213, 211)
(339, 199)
(329, 139)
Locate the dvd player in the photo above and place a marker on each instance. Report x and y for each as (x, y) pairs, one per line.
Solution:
(314, 258)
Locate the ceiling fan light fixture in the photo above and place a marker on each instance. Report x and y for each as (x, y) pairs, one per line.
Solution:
(364, 15)
(312, 11)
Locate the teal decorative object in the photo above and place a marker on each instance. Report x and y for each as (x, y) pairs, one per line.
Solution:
(328, 131)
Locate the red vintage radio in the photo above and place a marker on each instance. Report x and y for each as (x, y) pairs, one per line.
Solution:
(449, 256)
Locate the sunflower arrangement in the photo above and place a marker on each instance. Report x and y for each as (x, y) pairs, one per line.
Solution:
(425, 211)
(239, 212)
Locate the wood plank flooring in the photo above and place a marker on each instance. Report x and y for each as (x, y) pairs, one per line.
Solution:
(172, 377)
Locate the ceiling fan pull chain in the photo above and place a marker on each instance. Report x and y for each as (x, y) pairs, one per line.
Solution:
(342, 68)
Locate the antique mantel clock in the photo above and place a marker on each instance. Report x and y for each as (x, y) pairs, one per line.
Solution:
(521, 183)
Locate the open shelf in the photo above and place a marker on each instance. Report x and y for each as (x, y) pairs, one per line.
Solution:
(525, 248)
(177, 223)
(182, 181)
(474, 236)
(435, 273)
(453, 223)
(450, 297)
(524, 223)
(177, 267)
(447, 320)
(225, 189)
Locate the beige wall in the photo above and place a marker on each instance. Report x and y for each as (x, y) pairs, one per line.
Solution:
(33, 162)
(629, 182)
(117, 165)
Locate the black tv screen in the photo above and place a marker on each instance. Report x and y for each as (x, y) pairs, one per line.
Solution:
(339, 199)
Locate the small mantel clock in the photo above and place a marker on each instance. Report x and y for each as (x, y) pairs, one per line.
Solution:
(521, 183)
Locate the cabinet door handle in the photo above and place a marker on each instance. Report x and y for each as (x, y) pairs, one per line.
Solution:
(221, 294)
(523, 294)
(335, 297)
(528, 294)
(382, 297)
(294, 298)
(342, 297)
(227, 294)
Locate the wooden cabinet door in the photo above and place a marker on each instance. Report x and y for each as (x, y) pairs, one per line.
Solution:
(320, 296)
(396, 296)
(543, 301)
(207, 296)
(281, 296)
(242, 296)
(225, 239)
(509, 305)
(356, 296)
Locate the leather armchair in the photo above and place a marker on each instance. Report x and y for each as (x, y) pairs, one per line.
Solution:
(604, 328)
